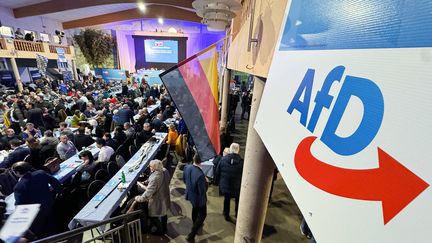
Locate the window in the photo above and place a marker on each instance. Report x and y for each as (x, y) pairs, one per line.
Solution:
(56, 39)
(29, 31)
(6, 31)
(44, 37)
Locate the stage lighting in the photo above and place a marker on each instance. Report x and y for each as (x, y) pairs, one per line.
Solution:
(160, 20)
(172, 30)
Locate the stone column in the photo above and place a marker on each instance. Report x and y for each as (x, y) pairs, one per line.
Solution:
(225, 96)
(16, 74)
(74, 69)
(256, 181)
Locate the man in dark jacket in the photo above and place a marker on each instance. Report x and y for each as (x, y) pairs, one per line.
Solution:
(196, 193)
(18, 154)
(125, 115)
(5, 140)
(158, 124)
(109, 141)
(34, 115)
(229, 172)
(144, 135)
(82, 140)
(31, 182)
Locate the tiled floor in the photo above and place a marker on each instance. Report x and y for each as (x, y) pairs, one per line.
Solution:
(282, 222)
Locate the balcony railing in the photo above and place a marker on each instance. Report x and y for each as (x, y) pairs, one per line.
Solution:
(53, 49)
(22, 45)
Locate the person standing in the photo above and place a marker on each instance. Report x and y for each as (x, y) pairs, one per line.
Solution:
(24, 192)
(245, 103)
(156, 193)
(229, 171)
(196, 193)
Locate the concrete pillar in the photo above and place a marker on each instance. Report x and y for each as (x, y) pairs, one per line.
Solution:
(256, 181)
(225, 96)
(16, 74)
(74, 69)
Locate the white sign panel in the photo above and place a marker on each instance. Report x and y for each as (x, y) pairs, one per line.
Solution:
(346, 115)
(18, 222)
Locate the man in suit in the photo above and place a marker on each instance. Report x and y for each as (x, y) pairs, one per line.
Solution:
(18, 154)
(229, 171)
(34, 115)
(82, 140)
(125, 115)
(28, 184)
(158, 124)
(196, 193)
(109, 141)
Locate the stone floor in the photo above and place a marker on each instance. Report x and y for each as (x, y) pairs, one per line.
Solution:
(283, 216)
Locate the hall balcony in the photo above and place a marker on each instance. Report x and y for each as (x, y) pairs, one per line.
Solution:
(28, 49)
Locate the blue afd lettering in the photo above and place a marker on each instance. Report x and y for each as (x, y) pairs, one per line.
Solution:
(367, 91)
(322, 98)
(306, 88)
(373, 106)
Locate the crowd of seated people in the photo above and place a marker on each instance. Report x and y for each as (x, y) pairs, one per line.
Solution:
(60, 119)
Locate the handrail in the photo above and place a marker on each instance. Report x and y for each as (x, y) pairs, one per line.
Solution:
(75, 232)
(251, 27)
(23, 45)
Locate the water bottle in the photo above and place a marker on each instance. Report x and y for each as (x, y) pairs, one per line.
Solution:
(123, 177)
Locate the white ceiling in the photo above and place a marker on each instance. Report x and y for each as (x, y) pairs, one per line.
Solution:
(81, 13)
(19, 3)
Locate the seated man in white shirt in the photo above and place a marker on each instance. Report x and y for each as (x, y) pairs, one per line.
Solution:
(105, 151)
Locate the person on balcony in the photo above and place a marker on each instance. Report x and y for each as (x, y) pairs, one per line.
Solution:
(19, 34)
(29, 36)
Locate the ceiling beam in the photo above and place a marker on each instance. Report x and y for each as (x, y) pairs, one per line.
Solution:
(153, 11)
(55, 6)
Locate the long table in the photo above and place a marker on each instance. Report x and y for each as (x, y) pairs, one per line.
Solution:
(103, 204)
(67, 169)
(153, 108)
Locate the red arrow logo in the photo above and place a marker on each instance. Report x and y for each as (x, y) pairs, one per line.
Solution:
(392, 184)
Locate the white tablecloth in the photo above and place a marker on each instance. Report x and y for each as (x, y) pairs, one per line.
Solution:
(103, 204)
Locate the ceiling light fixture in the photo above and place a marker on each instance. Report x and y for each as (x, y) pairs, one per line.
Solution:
(141, 6)
(216, 14)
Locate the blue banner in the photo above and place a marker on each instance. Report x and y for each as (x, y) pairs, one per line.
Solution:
(151, 76)
(35, 75)
(336, 24)
(7, 78)
(108, 74)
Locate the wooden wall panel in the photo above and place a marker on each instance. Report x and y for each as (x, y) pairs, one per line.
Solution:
(269, 16)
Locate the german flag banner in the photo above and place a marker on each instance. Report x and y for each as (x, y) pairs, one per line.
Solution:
(193, 86)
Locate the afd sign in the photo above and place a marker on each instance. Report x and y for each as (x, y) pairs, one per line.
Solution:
(346, 115)
(364, 89)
